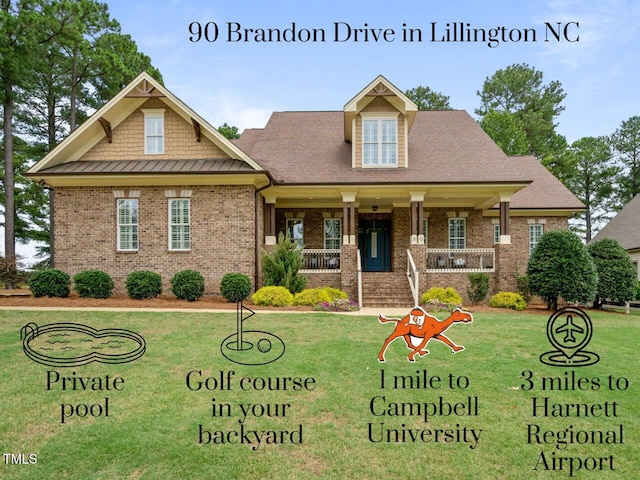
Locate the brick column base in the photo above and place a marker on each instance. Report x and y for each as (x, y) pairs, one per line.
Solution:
(349, 271)
(506, 279)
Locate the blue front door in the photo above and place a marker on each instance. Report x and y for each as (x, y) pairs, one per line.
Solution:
(375, 243)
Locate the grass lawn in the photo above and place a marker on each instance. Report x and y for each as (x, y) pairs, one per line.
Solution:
(154, 423)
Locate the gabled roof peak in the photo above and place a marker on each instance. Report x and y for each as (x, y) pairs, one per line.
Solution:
(111, 114)
(379, 87)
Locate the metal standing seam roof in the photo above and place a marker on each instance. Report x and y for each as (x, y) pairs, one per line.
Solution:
(102, 167)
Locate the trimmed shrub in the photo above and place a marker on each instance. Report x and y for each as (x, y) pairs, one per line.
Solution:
(523, 287)
(235, 287)
(638, 292)
(511, 300)
(280, 267)
(560, 266)
(616, 274)
(339, 305)
(443, 295)
(273, 296)
(50, 282)
(311, 297)
(93, 284)
(143, 284)
(336, 294)
(478, 287)
(188, 285)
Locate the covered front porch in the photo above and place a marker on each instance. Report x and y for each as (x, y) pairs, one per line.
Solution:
(398, 239)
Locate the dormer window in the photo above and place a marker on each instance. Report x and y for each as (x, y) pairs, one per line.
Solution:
(153, 131)
(380, 142)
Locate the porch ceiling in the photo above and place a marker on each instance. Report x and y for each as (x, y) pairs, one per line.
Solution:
(478, 196)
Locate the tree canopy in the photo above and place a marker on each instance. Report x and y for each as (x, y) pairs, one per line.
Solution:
(427, 99)
(561, 267)
(519, 89)
(626, 143)
(229, 131)
(59, 62)
(588, 171)
(616, 274)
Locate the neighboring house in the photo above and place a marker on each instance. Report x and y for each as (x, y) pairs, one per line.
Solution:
(625, 229)
(373, 193)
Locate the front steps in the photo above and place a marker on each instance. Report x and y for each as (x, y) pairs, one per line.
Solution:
(386, 289)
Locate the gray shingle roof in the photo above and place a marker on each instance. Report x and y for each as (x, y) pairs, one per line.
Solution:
(444, 147)
(625, 226)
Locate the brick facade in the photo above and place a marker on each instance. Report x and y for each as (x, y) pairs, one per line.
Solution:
(222, 233)
(511, 260)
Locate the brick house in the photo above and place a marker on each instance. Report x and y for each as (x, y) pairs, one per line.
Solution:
(384, 200)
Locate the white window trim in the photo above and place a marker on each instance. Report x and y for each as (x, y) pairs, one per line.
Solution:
(300, 243)
(153, 113)
(119, 225)
(338, 238)
(378, 117)
(464, 239)
(171, 225)
(531, 244)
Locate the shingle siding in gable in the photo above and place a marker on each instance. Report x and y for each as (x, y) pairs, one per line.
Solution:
(179, 139)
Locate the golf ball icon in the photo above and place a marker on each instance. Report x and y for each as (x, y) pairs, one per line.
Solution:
(569, 330)
(251, 347)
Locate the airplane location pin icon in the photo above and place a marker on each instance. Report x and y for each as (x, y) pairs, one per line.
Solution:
(569, 330)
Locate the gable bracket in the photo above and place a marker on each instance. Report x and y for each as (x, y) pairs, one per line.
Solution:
(145, 90)
(380, 91)
(196, 129)
(106, 126)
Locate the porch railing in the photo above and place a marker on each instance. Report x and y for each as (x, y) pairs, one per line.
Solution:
(414, 278)
(320, 260)
(461, 260)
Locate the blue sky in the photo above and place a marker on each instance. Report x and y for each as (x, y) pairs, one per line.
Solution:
(242, 82)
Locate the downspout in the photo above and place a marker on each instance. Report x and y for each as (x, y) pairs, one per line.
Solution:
(257, 233)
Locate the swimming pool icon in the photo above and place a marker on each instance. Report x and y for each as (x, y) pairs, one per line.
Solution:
(251, 347)
(75, 344)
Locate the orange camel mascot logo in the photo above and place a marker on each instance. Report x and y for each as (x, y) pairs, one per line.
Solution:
(418, 327)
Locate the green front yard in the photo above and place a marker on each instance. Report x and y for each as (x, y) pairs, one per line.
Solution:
(183, 410)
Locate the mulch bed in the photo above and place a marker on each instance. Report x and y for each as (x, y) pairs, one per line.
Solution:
(23, 298)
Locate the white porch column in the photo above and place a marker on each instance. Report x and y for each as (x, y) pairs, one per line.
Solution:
(417, 218)
(505, 237)
(349, 218)
(270, 219)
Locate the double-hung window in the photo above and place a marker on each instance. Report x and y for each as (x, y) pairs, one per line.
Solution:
(153, 131)
(380, 142)
(332, 233)
(457, 233)
(127, 224)
(535, 232)
(179, 224)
